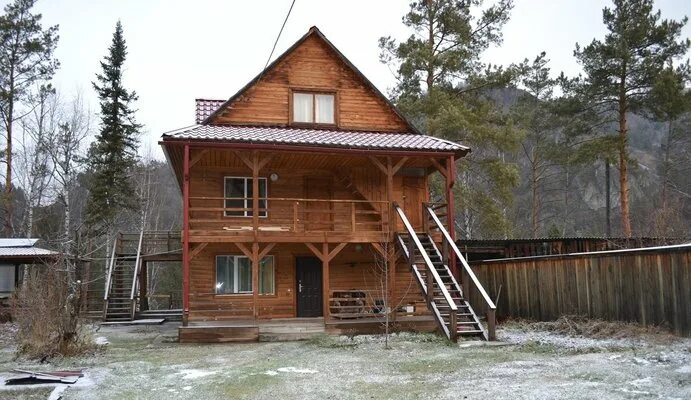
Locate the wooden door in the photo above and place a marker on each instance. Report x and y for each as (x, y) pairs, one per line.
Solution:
(308, 280)
(413, 196)
(317, 213)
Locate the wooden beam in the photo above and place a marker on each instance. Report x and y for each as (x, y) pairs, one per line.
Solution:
(244, 159)
(244, 250)
(335, 251)
(197, 249)
(186, 235)
(442, 169)
(264, 161)
(315, 251)
(376, 246)
(326, 291)
(266, 250)
(255, 278)
(255, 194)
(197, 157)
(399, 164)
(378, 164)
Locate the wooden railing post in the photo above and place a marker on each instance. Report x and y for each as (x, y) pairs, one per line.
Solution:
(453, 325)
(425, 218)
(295, 216)
(492, 324)
(352, 217)
(429, 278)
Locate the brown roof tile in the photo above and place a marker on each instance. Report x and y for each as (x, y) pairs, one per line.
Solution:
(206, 107)
(315, 137)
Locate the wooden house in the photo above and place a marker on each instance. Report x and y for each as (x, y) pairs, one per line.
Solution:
(306, 200)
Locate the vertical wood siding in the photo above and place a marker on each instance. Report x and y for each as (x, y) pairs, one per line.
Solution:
(652, 287)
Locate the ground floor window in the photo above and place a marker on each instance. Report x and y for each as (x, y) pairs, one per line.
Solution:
(234, 275)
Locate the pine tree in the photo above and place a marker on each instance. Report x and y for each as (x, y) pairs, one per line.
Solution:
(26, 58)
(534, 115)
(114, 152)
(621, 69)
(446, 90)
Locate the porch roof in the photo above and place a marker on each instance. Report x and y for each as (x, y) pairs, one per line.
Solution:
(315, 137)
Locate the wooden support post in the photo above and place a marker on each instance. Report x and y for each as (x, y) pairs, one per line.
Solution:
(143, 289)
(255, 278)
(186, 235)
(295, 216)
(451, 210)
(390, 172)
(326, 290)
(352, 217)
(491, 324)
(255, 194)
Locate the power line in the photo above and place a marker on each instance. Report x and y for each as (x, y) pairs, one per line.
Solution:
(277, 38)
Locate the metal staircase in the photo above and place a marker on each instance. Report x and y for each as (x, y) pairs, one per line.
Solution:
(444, 296)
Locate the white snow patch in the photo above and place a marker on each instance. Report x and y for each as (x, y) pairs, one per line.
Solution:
(642, 382)
(101, 340)
(187, 388)
(641, 361)
(195, 373)
(271, 373)
(297, 370)
(685, 369)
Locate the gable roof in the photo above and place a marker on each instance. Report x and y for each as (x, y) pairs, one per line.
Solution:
(204, 108)
(317, 137)
(313, 31)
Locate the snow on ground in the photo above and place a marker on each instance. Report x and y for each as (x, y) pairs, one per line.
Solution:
(148, 364)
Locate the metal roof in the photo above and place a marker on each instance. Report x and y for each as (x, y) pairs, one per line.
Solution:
(25, 252)
(17, 242)
(205, 107)
(315, 137)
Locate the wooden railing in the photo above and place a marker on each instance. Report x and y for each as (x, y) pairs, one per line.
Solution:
(135, 275)
(290, 215)
(447, 242)
(432, 277)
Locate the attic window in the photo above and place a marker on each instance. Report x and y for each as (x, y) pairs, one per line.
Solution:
(313, 108)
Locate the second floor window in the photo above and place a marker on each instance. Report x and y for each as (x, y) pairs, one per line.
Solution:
(314, 108)
(238, 196)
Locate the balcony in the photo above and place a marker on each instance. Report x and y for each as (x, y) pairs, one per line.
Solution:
(287, 220)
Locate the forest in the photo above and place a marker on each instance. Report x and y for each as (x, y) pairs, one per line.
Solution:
(603, 153)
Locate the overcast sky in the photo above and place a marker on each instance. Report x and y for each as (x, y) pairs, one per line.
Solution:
(181, 50)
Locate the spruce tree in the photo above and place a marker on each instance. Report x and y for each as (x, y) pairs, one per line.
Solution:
(114, 153)
(445, 89)
(620, 72)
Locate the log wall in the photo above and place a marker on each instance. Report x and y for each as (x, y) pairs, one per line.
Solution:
(649, 286)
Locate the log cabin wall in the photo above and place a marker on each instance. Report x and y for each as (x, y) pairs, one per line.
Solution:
(312, 66)
(354, 269)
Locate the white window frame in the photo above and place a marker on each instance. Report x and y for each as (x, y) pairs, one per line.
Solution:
(314, 107)
(236, 274)
(247, 201)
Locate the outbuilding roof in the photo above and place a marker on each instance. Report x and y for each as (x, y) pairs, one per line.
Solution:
(314, 137)
(19, 250)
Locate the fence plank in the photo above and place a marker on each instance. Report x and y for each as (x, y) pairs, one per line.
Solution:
(649, 286)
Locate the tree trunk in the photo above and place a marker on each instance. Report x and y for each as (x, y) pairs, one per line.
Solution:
(623, 161)
(608, 196)
(535, 206)
(8, 174)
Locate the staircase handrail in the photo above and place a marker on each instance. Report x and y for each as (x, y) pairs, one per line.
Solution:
(110, 270)
(430, 267)
(491, 313)
(460, 257)
(137, 263)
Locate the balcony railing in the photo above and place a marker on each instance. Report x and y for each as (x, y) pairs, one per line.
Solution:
(296, 215)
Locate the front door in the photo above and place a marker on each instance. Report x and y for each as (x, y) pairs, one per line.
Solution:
(308, 277)
(413, 192)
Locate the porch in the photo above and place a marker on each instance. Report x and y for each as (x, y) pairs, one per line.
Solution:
(290, 329)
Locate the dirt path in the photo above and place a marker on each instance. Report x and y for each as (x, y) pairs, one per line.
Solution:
(144, 363)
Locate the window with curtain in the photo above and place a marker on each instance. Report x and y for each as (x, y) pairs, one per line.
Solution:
(234, 275)
(314, 108)
(238, 194)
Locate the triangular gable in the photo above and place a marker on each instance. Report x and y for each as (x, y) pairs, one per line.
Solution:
(311, 63)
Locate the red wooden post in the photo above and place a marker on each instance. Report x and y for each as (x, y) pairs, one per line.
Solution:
(186, 235)
(450, 210)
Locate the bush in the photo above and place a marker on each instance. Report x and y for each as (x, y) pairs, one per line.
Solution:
(46, 311)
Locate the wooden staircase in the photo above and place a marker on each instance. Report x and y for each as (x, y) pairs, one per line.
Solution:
(444, 296)
(118, 305)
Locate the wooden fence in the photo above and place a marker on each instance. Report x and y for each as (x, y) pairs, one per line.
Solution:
(651, 286)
